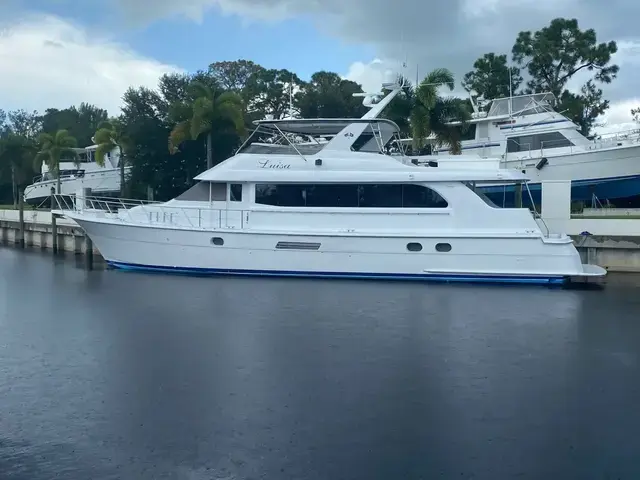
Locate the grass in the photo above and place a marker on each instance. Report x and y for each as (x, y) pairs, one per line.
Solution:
(11, 207)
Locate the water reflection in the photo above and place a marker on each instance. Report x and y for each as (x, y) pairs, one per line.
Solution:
(105, 374)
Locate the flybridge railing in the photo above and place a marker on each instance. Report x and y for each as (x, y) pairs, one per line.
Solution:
(144, 212)
(632, 134)
(615, 139)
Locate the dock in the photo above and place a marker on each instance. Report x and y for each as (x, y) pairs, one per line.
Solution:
(35, 229)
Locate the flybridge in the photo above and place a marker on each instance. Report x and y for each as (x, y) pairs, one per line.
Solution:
(304, 137)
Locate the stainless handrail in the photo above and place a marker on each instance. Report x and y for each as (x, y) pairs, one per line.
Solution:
(151, 212)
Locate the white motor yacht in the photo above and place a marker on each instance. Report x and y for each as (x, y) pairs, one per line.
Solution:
(336, 209)
(84, 172)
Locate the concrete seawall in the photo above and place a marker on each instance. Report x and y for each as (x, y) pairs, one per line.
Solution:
(615, 253)
(38, 231)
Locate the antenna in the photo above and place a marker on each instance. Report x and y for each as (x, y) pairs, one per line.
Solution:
(291, 97)
(404, 63)
(510, 90)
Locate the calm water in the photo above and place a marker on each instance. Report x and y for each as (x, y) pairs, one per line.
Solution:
(110, 375)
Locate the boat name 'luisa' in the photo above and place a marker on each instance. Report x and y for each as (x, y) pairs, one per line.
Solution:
(273, 164)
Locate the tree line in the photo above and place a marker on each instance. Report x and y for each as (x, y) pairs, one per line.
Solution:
(192, 121)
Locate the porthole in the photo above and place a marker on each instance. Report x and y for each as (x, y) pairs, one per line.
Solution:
(414, 247)
(443, 247)
(217, 241)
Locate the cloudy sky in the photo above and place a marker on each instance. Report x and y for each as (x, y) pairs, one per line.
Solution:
(55, 53)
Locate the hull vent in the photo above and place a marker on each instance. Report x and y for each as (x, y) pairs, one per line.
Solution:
(297, 246)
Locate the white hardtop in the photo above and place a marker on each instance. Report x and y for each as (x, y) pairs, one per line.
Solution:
(505, 110)
(356, 167)
(520, 105)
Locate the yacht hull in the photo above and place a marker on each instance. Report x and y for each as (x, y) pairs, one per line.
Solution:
(527, 260)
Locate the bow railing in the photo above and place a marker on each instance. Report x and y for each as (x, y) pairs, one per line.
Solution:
(147, 212)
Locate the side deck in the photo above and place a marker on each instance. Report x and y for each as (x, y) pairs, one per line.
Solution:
(439, 221)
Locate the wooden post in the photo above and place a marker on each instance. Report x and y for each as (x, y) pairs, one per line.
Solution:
(518, 195)
(54, 226)
(21, 218)
(88, 244)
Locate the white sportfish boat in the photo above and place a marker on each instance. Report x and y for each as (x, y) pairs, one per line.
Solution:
(76, 175)
(528, 135)
(340, 208)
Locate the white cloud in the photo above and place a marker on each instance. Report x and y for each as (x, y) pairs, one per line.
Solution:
(371, 75)
(145, 10)
(432, 33)
(618, 117)
(49, 62)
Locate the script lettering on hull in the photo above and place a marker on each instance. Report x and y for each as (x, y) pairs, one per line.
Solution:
(273, 164)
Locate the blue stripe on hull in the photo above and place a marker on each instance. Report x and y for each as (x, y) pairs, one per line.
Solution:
(581, 190)
(435, 277)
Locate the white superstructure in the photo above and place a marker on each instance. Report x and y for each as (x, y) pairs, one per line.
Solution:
(340, 208)
(75, 175)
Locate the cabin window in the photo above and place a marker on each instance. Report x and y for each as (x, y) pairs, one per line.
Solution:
(198, 193)
(418, 196)
(201, 190)
(235, 192)
(481, 194)
(336, 195)
(380, 196)
(281, 195)
(362, 140)
(349, 195)
(525, 143)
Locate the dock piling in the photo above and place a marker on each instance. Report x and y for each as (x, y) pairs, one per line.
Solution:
(88, 244)
(518, 194)
(21, 241)
(54, 226)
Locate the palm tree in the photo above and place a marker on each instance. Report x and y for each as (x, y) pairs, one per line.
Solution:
(206, 112)
(16, 160)
(53, 148)
(111, 136)
(399, 110)
(431, 113)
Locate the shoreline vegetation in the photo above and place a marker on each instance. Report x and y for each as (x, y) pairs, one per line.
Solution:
(193, 121)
